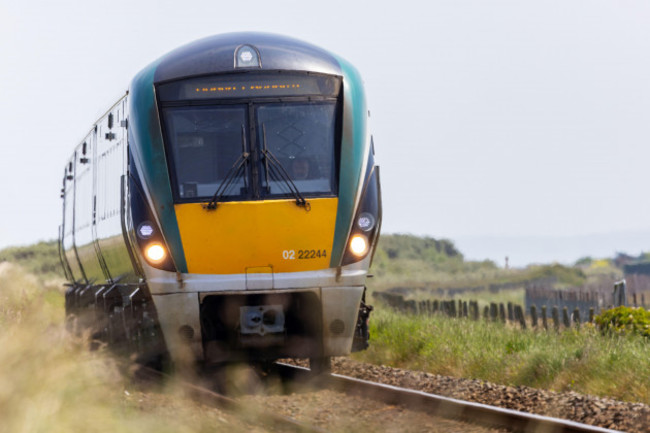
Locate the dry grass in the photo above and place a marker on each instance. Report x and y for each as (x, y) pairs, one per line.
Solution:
(50, 381)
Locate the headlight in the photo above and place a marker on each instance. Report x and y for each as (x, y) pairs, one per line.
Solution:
(155, 253)
(359, 245)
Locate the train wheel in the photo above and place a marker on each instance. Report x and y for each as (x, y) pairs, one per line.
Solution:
(321, 365)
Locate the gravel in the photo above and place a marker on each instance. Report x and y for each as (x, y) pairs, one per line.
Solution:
(181, 414)
(602, 412)
(337, 412)
(330, 410)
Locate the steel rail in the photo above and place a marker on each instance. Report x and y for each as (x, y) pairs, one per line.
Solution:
(444, 407)
(204, 395)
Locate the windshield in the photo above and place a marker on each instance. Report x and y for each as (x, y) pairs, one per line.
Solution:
(252, 147)
(301, 137)
(205, 143)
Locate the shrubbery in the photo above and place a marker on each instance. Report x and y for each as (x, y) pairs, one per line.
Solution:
(624, 320)
(401, 246)
(564, 274)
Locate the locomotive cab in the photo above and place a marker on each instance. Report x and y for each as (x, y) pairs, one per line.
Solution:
(253, 161)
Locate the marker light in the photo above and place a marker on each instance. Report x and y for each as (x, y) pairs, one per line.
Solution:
(145, 230)
(366, 221)
(359, 245)
(246, 56)
(155, 253)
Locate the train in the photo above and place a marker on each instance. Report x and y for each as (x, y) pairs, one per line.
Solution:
(227, 207)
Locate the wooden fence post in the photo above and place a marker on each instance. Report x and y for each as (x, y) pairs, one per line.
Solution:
(465, 312)
(493, 311)
(436, 306)
(520, 316)
(556, 317)
(565, 317)
(511, 316)
(486, 313)
(591, 315)
(473, 308)
(502, 313)
(533, 315)
(544, 322)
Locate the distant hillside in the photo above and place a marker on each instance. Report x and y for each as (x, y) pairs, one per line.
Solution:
(41, 258)
(413, 260)
(400, 246)
(423, 262)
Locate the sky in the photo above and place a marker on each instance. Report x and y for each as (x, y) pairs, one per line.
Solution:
(512, 127)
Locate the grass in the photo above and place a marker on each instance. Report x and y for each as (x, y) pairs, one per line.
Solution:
(50, 382)
(583, 361)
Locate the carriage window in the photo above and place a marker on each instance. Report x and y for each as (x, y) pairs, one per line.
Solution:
(301, 137)
(205, 144)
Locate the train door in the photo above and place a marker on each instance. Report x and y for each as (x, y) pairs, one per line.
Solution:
(67, 230)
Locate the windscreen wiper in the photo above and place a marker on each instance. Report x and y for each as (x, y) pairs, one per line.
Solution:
(232, 174)
(271, 162)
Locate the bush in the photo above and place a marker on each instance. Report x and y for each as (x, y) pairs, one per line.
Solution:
(564, 274)
(624, 320)
(402, 246)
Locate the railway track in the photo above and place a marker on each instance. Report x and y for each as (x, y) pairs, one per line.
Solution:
(445, 407)
(474, 414)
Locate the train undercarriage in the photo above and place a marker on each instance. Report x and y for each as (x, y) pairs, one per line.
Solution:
(234, 328)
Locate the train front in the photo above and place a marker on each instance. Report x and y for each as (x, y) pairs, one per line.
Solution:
(255, 197)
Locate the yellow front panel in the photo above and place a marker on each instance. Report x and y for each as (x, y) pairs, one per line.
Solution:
(244, 235)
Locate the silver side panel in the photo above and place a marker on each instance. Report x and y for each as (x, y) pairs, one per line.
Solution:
(94, 200)
(111, 159)
(175, 311)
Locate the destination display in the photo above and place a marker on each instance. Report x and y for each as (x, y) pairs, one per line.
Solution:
(250, 86)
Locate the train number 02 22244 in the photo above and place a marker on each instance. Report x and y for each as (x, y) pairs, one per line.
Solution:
(303, 254)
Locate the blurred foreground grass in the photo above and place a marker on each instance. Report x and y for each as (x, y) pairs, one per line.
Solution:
(50, 381)
(584, 361)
